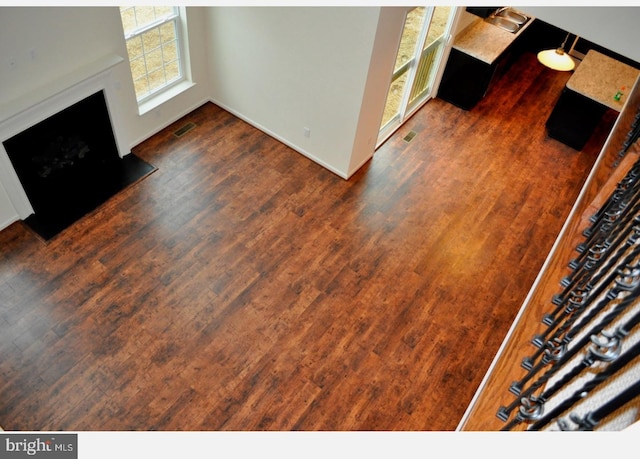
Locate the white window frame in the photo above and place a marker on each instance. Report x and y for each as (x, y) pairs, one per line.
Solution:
(169, 90)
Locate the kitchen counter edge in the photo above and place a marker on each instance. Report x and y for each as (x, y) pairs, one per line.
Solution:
(486, 42)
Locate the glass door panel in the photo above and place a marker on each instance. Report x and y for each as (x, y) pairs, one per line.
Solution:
(404, 62)
(431, 52)
(417, 62)
(394, 98)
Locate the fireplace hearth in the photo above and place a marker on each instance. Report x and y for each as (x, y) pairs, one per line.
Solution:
(68, 164)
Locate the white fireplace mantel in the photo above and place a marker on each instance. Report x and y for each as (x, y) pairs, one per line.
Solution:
(41, 103)
(16, 106)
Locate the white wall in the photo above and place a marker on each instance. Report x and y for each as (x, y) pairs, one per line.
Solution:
(145, 126)
(62, 38)
(381, 66)
(67, 38)
(281, 69)
(284, 69)
(615, 28)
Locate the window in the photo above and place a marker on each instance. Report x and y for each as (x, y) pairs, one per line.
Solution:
(152, 34)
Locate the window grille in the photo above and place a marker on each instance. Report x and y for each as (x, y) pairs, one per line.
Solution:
(152, 35)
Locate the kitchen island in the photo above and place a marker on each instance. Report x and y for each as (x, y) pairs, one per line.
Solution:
(598, 84)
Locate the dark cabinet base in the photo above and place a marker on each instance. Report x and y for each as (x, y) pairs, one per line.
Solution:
(574, 119)
(465, 80)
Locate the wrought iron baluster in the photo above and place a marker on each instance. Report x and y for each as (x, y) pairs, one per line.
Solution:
(617, 365)
(633, 287)
(544, 341)
(593, 418)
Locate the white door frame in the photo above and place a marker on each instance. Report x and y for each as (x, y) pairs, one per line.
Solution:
(396, 122)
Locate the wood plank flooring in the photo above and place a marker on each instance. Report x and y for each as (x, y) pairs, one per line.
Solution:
(243, 287)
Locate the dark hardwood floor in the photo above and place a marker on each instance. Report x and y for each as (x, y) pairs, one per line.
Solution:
(243, 287)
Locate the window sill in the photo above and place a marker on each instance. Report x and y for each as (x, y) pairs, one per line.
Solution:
(164, 96)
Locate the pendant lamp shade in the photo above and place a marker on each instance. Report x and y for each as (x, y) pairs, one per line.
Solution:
(557, 59)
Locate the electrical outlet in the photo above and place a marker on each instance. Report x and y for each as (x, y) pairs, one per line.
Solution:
(12, 62)
(307, 132)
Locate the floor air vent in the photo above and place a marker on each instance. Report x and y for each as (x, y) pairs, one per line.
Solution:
(184, 129)
(409, 137)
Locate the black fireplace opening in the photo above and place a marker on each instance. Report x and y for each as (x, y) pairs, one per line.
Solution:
(68, 164)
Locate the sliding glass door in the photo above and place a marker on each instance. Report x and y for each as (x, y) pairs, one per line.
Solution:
(417, 62)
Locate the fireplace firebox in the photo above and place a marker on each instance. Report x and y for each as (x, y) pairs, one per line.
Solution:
(68, 164)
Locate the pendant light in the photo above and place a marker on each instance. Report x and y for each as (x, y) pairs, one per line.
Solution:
(557, 59)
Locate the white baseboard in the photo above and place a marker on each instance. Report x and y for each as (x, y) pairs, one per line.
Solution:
(281, 139)
(6, 224)
(357, 168)
(171, 120)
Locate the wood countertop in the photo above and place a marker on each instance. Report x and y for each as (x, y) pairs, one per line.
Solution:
(485, 41)
(599, 77)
